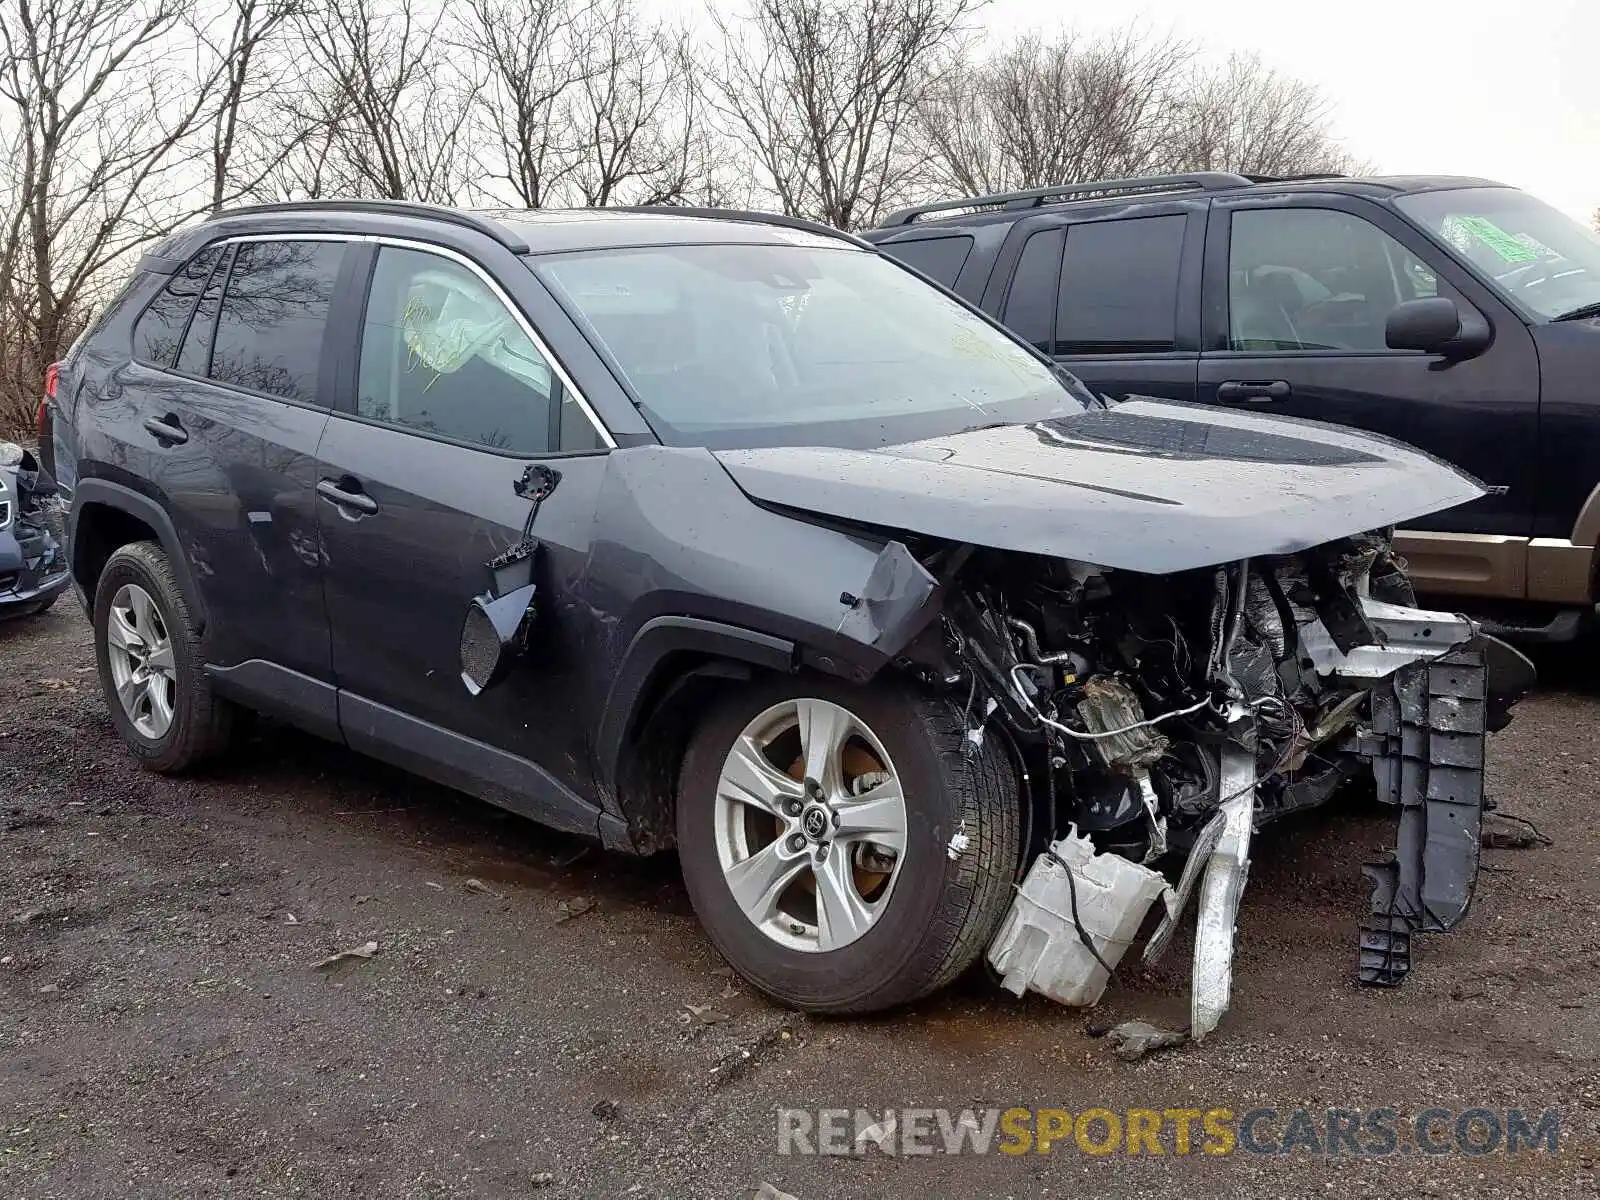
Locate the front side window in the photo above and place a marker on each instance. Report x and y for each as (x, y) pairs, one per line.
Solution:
(160, 328)
(1537, 256)
(1317, 279)
(273, 315)
(442, 355)
(809, 342)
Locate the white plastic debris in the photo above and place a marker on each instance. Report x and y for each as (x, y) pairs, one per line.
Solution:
(959, 843)
(1039, 947)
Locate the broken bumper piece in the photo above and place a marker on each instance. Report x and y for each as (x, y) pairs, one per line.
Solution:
(1426, 743)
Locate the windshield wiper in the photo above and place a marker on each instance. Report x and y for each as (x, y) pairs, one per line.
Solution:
(1582, 313)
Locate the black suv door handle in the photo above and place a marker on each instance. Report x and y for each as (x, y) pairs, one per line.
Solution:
(1265, 391)
(342, 495)
(166, 430)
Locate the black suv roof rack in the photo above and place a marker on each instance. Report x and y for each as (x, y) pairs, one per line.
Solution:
(752, 218)
(1201, 181)
(391, 208)
(1295, 178)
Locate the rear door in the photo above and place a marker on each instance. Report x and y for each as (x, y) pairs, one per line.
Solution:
(1297, 291)
(449, 400)
(1115, 300)
(229, 377)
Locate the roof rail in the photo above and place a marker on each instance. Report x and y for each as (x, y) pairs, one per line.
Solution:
(391, 208)
(747, 216)
(1202, 181)
(1296, 178)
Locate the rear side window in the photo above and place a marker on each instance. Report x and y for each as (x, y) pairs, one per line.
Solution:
(160, 328)
(1119, 286)
(940, 259)
(274, 311)
(1031, 304)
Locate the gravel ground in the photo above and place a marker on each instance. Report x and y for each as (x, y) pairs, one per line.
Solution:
(163, 1031)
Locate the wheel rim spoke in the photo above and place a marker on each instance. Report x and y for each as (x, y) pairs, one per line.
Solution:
(842, 915)
(824, 727)
(749, 778)
(130, 691)
(144, 614)
(879, 817)
(121, 633)
(760, 880)
(156, 689)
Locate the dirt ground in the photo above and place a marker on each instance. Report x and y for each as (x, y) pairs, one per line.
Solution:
(163, 1031)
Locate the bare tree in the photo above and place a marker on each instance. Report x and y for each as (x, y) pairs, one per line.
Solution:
(382, 110)
(585, 104)
(1040, 112)
(531, 60)
(821, 95)
(636, 112)
(98, 103)
(1595, 220)
(246, 142)
(1245, 116)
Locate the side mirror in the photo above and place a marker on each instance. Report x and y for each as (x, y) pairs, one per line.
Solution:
(1434, 325)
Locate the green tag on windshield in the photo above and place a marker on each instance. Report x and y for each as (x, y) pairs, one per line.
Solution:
(1511, 249)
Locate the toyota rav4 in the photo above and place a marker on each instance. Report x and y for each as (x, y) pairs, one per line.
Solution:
(725, 532)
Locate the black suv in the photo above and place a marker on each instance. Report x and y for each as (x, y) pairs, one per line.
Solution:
(727, 532)
(1455, 314)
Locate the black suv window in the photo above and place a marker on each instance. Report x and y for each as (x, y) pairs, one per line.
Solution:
(938, 258)
(160, 327)
(1030, 308)
(1119, 286)
(442, 354)
(273, 315)
(1316, 279)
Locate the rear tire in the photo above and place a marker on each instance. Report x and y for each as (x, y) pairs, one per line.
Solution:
(187, 724)
(950, 885)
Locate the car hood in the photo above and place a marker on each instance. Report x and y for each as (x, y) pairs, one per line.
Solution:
(1148, 485)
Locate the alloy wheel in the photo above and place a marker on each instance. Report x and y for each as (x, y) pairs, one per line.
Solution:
(140, 650)
(810, 824)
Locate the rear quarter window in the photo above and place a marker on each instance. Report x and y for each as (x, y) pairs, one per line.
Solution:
(160, 327)
(939, 258)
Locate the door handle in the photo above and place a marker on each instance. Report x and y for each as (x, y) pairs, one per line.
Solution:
(166, 430)
(1253, 391)
(346, 499)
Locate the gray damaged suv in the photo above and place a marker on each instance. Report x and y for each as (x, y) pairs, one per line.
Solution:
(723, 531)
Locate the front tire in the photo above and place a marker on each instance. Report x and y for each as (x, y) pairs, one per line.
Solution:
(847, 849)
(147, 650)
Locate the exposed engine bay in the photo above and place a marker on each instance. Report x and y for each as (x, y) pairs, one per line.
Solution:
(1164, 719)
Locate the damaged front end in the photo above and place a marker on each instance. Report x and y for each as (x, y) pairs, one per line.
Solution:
(33, 563)
(1168, 717)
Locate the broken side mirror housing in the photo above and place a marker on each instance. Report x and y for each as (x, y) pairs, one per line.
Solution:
(1435, 325)
(494, 632)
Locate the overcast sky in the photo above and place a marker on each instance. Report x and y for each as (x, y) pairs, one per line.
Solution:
(1506, 90)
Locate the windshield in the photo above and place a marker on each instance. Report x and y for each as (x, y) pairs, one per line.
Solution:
(809, 343)
(1542, 259)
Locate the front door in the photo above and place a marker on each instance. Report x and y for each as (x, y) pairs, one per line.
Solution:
(1297, 293)
(453, 399)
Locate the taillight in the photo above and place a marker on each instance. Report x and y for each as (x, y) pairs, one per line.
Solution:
(52, 376)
